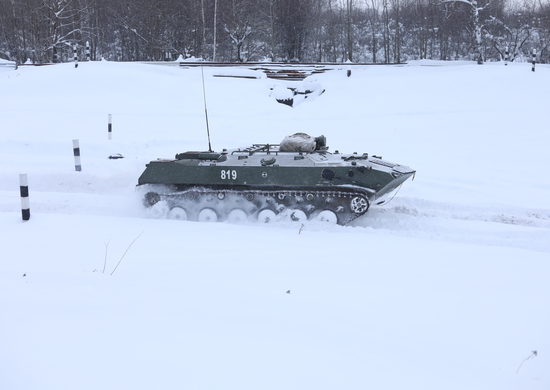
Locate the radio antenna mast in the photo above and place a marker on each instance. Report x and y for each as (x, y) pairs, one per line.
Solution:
(205, 111)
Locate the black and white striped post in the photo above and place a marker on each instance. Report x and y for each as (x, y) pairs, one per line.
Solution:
(75, 56)
(24, 190)
(534, 59)
(506, 54)
(87, 51)
(110, 127)
(76, 152)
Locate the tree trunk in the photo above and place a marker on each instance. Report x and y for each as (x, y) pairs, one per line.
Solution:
(215, 29)
(477, 33)
(203, 30)
(349, 29)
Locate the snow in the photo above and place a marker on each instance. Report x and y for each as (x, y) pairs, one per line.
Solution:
(7, 64)
(445, 287)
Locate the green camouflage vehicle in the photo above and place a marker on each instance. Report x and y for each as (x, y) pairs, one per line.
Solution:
(297, 179)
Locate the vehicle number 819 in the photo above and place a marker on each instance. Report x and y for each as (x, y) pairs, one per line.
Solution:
(229, 174)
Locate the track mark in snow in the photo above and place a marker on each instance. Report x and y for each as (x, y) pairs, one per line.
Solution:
(490, 225)
(422, 208)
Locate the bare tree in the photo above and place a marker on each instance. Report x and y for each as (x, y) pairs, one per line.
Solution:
(509, 33)
(292, 26)
(64, 18)
(374, 24)
(349, 30)
(215, 30)
(474, 9)
(239, 24)
(386, 36)
(305, 30)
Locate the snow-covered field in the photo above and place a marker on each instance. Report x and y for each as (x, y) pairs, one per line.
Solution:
(446, 287)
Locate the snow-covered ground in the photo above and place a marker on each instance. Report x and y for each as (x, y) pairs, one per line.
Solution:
(446, 287)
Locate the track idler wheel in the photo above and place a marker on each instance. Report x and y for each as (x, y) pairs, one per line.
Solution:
(359, 205)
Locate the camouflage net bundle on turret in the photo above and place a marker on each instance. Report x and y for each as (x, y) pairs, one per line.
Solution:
(302, 142)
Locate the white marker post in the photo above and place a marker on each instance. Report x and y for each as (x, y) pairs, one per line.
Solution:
(24, 190)
(534, 59)
(110, 127)
(75, 56)
(76, 152)
(87, 51)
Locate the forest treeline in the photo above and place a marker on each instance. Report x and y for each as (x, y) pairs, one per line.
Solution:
(379, 31)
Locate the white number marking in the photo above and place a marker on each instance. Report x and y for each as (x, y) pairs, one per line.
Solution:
(228, 174)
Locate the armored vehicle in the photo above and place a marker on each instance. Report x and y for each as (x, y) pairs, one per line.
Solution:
(297, 179)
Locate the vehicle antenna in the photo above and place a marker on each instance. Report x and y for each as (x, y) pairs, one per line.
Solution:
(205, 111)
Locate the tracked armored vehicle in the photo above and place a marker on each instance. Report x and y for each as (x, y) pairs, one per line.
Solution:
(297, 179)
